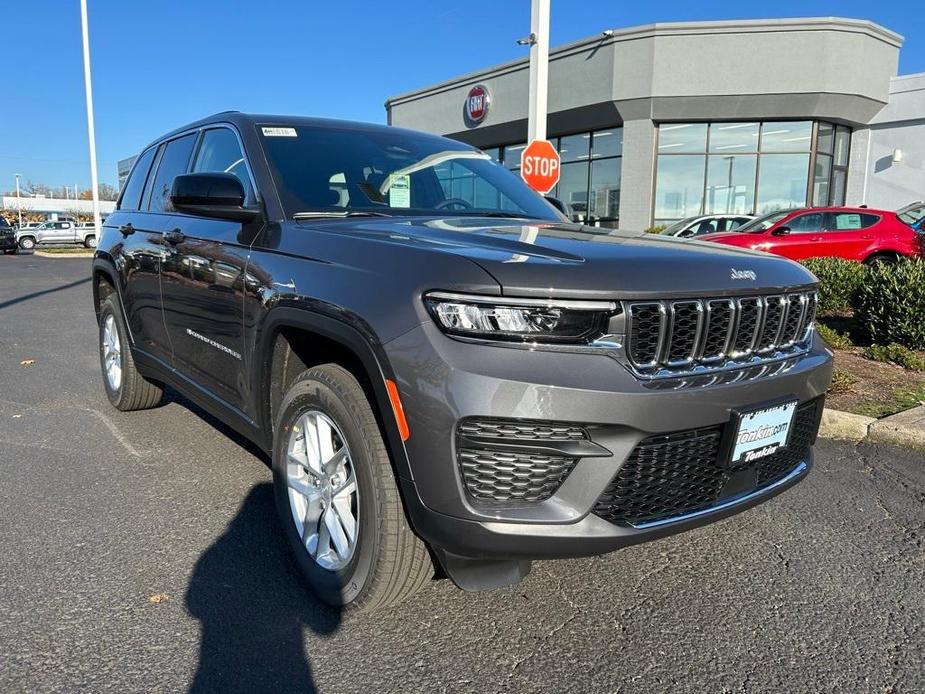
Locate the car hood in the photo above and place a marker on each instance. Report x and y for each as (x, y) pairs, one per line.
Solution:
(560, 259)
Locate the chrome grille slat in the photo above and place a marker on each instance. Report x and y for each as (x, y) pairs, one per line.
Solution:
(679, 336)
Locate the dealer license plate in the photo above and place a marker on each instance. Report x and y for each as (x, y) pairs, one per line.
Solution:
(761, 433)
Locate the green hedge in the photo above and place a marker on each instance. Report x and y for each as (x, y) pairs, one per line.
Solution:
(890, 304)
(839, 282)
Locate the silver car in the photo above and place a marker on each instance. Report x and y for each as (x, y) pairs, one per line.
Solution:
(706, 224)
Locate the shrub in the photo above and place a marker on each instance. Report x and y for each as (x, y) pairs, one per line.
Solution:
(890, 304)
(835, 339)
(839, 281)
(897, 354)
(657, 229)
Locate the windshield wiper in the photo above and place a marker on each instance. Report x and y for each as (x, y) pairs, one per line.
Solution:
(338, 214)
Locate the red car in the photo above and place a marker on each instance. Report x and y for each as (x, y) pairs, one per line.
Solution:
(852, 233)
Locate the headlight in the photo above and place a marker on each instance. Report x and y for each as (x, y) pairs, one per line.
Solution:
(520, 320)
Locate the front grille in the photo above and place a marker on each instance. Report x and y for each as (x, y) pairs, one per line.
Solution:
(499, 461)
(665, 338)
(676, 474)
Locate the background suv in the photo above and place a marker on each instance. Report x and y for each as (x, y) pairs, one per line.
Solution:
(852, 233)
(439, 364)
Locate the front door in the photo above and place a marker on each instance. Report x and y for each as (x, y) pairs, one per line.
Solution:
(805, 239)
(203, 283)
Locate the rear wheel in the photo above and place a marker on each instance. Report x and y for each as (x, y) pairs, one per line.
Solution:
(126, 388)
(881, 259)
(90, 242)
(337, 499)
(27, 243)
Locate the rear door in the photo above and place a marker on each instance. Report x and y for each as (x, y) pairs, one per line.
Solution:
(203, 280)
(850, 235)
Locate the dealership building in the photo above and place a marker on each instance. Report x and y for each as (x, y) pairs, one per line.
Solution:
(665, 121)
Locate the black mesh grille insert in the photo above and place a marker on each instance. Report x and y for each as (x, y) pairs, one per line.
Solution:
(503, 476)
(748, 324)
(675, 474)
(794, 318)
(717, 330)
(645, 333)
(773, 315)
(685, 318)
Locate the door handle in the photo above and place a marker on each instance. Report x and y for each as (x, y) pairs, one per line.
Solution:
(816, 238)
(174, 236)
(127, 229)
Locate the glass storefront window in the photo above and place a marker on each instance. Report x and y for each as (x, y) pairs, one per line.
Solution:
(842, 143)
(825, 137)
(494, 153)
(604, 196)
(821, 179)
(787, 136)
(782, 180)
(730, 184)
(573, 187)
(512, 154)
(733, 138)
(676, 138)
(574, 147)
(607, 143)
(680, 187)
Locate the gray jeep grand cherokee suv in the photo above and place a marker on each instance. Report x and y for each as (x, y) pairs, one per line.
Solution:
(442, 368)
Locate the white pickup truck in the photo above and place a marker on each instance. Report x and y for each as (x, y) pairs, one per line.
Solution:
(52, 232)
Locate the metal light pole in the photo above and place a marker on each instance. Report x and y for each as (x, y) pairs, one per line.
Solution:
(88, 88)
(539, 69)
(18, 203)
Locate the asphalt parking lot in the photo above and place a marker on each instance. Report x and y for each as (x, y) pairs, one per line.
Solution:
(140, 553)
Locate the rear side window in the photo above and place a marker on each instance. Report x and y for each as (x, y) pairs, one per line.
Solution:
(221, 153)
(848, 221)
(174, 162)
(131, 194)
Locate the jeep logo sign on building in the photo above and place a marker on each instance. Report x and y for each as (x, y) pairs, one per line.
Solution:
(476, 107)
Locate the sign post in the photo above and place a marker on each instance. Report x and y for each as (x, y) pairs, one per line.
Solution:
(539, 69)
(540, 165)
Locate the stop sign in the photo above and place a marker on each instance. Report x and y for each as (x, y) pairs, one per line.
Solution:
(539, 166)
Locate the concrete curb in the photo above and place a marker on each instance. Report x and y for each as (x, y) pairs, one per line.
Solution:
(906, 429)
(75, 254)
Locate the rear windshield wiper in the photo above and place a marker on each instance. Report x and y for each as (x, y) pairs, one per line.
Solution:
(338, 214)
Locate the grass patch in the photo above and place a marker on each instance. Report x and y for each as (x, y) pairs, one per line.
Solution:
(897, 401)
(64, 251)
(842, 381)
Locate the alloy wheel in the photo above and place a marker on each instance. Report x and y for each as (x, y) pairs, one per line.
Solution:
(112, 353)
(323, 492)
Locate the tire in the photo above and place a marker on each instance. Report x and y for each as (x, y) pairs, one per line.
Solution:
(90, 242)
(387, 563)
(27, 243)
(131, 391)
(881, 259)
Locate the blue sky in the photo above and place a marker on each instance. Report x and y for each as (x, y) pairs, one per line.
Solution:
(157, 65)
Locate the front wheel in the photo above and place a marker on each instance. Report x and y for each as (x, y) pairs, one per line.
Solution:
(337, 499)
(27, 243)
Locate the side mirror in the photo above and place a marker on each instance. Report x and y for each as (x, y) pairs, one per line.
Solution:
(559, 205)
(216, 195)
(781, 231)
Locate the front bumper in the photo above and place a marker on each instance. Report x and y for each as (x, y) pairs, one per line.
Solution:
(442, 381)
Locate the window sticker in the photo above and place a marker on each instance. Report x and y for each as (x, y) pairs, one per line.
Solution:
(400, 190)
(847, 221)
(279, 132)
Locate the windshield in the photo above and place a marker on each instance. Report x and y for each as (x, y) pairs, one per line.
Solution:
(677, 226)
(348, 171)
(763, 223)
